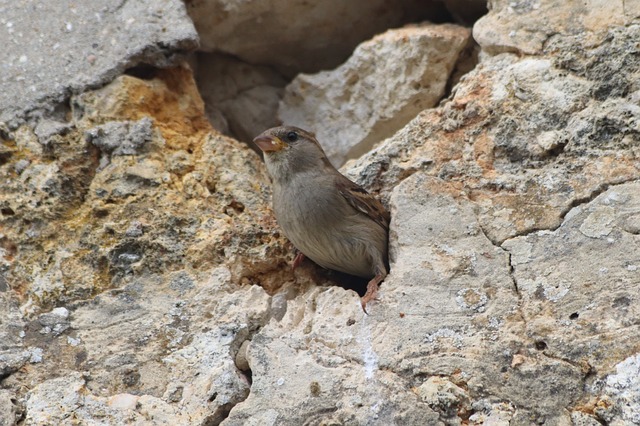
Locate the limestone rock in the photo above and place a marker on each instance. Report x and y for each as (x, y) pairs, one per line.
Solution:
(299, 36)
(13, 353)
(385, 83)
(137, 255)
(526, 26)
(529, 138)
(54, 49)
(322, 355)
(143, 279)
(444, 396)
(245, 96)
(563, 288)
(195, 368)
(58, 400)
(449, 303)
(623, 388)
(8, 411)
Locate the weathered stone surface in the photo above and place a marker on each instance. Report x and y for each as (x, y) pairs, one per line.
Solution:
(66, 399)
(108, 203)
(449, 305)
(623, 389)
(168, 371)
(452, 289)
(13, 354)
(526, 26)
(317, 365)
(549, 266)
(200, 375)
(299, 36)
(241, 99)
(385, 83)
(54, 49)
(8, 410)
(529, 137)
(581, 308)
(143, 279)
(122, 247)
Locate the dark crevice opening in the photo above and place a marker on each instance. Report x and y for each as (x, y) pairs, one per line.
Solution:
(219, 416)
(223, 113)
(349, 282)
(540, 345)
(248, 374)
(143, 71)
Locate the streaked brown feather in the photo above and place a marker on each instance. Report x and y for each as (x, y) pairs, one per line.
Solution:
(362, 201)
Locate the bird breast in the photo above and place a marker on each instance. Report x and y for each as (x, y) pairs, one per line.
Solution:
(322, 225)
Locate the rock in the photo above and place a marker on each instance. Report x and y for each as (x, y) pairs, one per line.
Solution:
(165, 160)
(450, 286)
(49, 131)
(128, 317)
(331, 376)
(623, 389)
(241, 358)
(525, 165)
(55, 321)
(123, 401)
(13, 354)
(205, 368)
(555, 276)
(579, 418)
(444, 396)
(11, 361)
(156, 288)
(200, 368)
(35, 355)
(56, 401)
(12, 320)
(8, 410)
(525, 27)
(82, 46)
(497, 414)
(277, 32)
(246, 96)
(387, 81)
(120, 138)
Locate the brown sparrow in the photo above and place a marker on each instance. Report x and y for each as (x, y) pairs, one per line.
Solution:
(327, 217)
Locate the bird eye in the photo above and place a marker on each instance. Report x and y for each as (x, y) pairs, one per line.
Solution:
(292, 136)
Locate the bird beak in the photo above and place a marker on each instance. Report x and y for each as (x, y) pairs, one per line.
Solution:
(269, 143)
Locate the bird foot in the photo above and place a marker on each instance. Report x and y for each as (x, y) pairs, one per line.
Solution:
(372, 292)
(297, 260)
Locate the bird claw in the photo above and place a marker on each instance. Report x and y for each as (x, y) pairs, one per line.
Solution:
(366, 299)
(372, 292)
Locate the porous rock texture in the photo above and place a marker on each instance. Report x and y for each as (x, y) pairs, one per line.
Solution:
(53, 49)
(385, 83)
(143, 279)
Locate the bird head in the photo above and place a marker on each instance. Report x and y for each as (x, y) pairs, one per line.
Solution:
(289, 149)
(284, 137)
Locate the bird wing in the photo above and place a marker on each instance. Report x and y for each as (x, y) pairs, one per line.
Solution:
(362, 201)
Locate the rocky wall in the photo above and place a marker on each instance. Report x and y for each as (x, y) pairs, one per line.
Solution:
(144, 280)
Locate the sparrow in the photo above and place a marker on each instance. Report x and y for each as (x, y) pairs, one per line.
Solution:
(328, 218)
